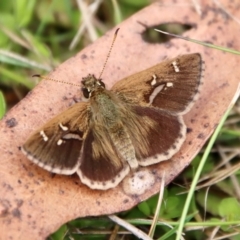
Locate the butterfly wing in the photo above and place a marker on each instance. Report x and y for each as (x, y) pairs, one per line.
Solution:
(171, 85)
(159, 96)
(57, 145)
(85, 149)
(156, 135)
(101, 164)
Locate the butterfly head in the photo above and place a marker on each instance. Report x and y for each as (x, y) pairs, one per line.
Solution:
(91, 84)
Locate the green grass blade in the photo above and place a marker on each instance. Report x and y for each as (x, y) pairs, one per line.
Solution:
(202, 162)
(2, 105)
(201, 43)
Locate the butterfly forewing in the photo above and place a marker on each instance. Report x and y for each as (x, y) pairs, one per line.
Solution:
(57, 145)
(171, 85)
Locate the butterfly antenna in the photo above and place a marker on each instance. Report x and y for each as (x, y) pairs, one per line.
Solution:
(60, 81)
(54, 80)
(109, 52)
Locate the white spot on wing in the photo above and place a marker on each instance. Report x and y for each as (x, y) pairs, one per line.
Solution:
(155, 93)
(64, 128)
(153, 82)
(72, 136)
(176, 68)
(45, 137)
(59, 142)
(169, 84)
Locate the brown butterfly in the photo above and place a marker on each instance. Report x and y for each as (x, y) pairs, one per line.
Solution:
(136, 123)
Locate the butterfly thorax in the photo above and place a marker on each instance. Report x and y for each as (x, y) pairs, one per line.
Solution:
(103, 107)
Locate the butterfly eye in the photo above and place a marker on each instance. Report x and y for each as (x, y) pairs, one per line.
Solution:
(86, 93)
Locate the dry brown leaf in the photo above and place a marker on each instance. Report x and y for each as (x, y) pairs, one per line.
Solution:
(33, 204)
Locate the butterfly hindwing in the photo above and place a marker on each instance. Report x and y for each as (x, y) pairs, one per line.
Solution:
(164, 135)
(171, 85)
(101, 164)
(57, 145)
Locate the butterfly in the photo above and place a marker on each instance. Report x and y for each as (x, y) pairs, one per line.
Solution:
(139, 122)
